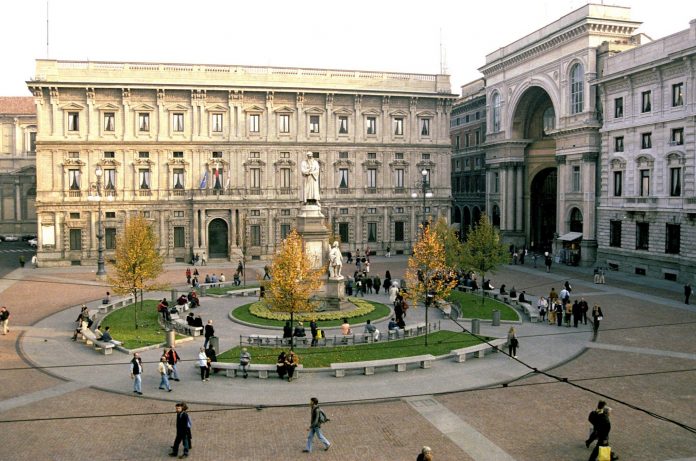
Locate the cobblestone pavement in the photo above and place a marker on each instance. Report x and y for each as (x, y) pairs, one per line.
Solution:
(532, 418)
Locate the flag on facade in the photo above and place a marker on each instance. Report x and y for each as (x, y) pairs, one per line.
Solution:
(204, 180)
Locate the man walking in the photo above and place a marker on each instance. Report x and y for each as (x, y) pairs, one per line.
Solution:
(317, 419)
(5, 319)
(603, 427)
(209, 333)
(164, 374)
(183, 431)
(137, 373)
(172, 359)
(687, 293)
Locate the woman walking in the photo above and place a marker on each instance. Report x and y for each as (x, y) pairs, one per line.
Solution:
(597, 317)
(512, 342)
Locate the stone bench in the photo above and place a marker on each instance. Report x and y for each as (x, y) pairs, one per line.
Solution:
(181, 326)
(245, 291)
(368, 367)
(91, 340)
(106, 308)
(479, 350)
(232, 370)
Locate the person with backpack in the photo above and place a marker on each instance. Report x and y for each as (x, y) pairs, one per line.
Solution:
(183, 431)
(318, 417)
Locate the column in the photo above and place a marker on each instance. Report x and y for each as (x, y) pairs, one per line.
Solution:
(233, 229)
(588, 196)
(386, 230)
(519, 198)
(509, 198)
(18, 202)
(560, 203)
(358, 230)
(196, 237)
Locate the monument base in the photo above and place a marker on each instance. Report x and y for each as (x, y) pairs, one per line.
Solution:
(334, 293)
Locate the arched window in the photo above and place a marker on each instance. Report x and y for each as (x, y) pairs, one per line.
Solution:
(549, 119)
(496, 112)
(576, 89)
(576, 220)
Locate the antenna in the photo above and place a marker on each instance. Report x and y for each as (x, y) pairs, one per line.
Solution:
(443, 57)
(47, 30)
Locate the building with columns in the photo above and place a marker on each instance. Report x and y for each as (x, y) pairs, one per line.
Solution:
(543, 132)
(647, 193)
(17, 166)
(468, 133)
(211, 153)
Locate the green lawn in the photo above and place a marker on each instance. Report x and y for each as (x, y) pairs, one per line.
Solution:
(439, 343)
(472, 309)
(242, 313)
(224, 290)
(122, 325)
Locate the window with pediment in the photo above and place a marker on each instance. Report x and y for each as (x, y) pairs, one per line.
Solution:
(143, 122)
(398, 126)
(284, 123)
(216, 122)
(371, 125)
(342, 124)
(425, 127)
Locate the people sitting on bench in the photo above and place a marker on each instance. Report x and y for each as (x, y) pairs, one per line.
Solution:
(345, 328)
(83, 321)
(107, 298)
(190, 319)
(207, 278)
(163, 309)
(237, 281)
(198, 321)
(372, 330)
(521, 297)
(193, 300)
(393, 326)
(280, 365)
(181, 300)
(299, 331)
(487, 285)
(513, 292)
(502, 289)
(474, 285)
(287, 330)
(106, 337)
(213, 280)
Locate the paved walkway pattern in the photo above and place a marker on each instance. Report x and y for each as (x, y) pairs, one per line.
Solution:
(643, 355)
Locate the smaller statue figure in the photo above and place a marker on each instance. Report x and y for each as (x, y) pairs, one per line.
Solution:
(335, 262)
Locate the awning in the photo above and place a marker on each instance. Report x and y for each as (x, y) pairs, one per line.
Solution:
(570, 236)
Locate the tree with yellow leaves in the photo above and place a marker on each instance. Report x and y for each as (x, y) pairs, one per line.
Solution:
(428, 276)
(450, 241)
(294, 281)
(138, 263)
(483, 251)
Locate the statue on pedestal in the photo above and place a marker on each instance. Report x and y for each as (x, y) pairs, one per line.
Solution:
(335, 262)
(310, 173)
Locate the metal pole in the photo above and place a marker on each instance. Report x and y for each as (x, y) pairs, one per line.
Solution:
(101, 272)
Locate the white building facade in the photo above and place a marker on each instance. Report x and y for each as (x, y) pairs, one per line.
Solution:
(210, 154)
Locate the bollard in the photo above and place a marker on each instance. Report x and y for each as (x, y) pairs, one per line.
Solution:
(214, 343)
(475, 326)
(173, 295)
(170, 337)
(496, 318)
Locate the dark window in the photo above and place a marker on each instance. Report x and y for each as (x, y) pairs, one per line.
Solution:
(109, 121)
(110, 215)
(646, 140)
(398, 231)
(284, 231)
(677, 138)
(343, 231)
(646, 105)
(314, 124)
(73, 121)
(179, 237)
(644, 183)
(677, 94)
(255, 231)
(74, 179)
(110, 238)
(619, 144)
(642, 236)
(177, 155)
(618, 183)
(74, 215)
(618, 107)
(675, 182)
(32, 141)
(615, 234)
(672, 239)
(75, 239)
(342, 125)
(371, 125)
(372, 232)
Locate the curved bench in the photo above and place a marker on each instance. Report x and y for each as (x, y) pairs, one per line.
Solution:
(368, 366)
(479, 350)
(90, 339)
(232, 370)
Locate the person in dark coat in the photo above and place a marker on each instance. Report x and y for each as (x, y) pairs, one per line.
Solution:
(577, 313)
(209, 333)
(183, 430)
(602, 427)
(287, 330)
(687, 293)
(280, 365)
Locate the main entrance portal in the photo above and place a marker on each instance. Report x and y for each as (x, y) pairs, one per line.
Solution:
(543, 210)
(218, 239)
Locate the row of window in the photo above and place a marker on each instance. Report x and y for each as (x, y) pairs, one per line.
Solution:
(646, 100)
(469, 139)
(675, 180)
(676, 139)
(672, 236)
(467, 162)
(282, 155)
(456, 121)
(254, 123)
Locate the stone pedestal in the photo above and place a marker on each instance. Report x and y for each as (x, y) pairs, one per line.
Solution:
(335, 293)
(310, 225)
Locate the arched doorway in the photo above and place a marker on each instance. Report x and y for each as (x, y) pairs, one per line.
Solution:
(476, 216)
(466, 221)
(543, 210)
(495, 216)
(575, 220)
(218, 238)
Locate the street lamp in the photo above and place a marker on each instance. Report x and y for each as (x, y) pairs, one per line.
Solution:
(101, 271)
(424, 184)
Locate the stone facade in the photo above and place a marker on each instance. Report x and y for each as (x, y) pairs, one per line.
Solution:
(468, 134)
(210, 154)
(647, 203)
(543, 132)
(17, 166)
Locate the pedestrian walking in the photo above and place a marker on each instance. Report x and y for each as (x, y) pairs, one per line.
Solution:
(164, 374)
(266, 272)
(173, 359)
(603, 427)
(209, 333)
(318, 417)
(183, 431)
(593, 418)
(5, 320)
(597, 317)
(513, 342)
(203, 364)
(137, 373)
(188, 276)
(687, 293)
(34, 262)
(547, 261)
(426, 454)
(244, 361)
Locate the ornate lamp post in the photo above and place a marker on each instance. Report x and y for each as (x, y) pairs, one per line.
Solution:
(101, 271)
(424, 184)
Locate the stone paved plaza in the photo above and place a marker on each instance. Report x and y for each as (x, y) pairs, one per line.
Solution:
(80, 405)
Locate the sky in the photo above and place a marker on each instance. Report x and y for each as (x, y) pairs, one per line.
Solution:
(377, 35)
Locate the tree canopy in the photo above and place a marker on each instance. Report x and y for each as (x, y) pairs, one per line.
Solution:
(483, 251)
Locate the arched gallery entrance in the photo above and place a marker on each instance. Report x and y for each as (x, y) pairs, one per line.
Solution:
(218, 239)
(543, 210)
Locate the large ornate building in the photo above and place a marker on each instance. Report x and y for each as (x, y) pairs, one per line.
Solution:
(17, 166)
(210, 154)
(647, 205)
(543, 139)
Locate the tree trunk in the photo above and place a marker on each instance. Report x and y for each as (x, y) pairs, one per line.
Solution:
(292, 336)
